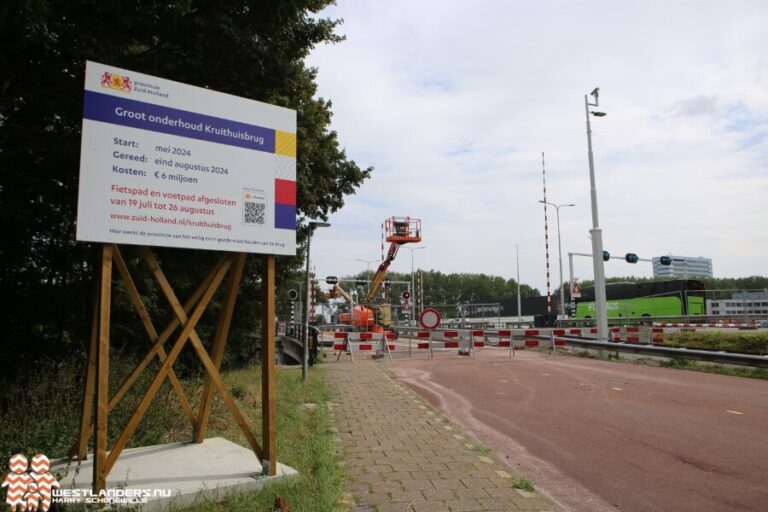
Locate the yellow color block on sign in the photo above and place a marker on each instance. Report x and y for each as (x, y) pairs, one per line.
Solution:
(285, 143)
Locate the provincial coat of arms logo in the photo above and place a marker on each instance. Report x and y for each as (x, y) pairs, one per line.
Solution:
(116, 82)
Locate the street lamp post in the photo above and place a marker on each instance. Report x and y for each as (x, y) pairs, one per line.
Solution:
(305, 345)
(413, 283)
(517, 261)
(367, 262)
(601, 310)
(560, 255)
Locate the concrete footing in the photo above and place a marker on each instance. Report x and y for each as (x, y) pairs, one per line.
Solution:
(180, 473)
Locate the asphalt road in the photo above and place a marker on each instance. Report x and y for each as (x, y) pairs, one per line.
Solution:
(601, 435)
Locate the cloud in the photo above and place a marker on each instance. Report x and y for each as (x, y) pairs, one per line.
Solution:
(698, 106)
(453, 103)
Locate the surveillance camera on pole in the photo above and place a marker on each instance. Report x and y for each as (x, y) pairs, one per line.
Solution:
(601, 310)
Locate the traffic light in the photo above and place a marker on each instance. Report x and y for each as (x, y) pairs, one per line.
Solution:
(665, 260)
(606, 255)
(631, 257)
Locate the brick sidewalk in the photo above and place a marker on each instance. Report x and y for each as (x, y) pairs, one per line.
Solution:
(402, 455)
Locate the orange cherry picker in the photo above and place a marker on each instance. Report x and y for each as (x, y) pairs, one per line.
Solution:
(397, 231)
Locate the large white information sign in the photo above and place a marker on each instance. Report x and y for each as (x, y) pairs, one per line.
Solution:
(169, 164)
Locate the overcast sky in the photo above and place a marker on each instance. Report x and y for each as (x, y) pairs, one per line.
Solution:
(453, 103)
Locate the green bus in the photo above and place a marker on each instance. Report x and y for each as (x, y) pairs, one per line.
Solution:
(683, 297)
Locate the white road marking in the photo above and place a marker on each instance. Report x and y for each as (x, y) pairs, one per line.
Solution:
(545, 374)
(617, 389)
(734, 412)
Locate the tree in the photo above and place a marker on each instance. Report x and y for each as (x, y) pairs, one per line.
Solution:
(251, 48)
(450, 289)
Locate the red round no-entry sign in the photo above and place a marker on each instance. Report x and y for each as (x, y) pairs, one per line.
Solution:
(430, 318)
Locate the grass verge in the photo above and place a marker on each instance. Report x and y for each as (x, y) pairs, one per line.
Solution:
(304, 437)
(304, 442)
(744, 343)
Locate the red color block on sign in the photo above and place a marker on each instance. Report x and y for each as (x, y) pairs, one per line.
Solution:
(390, 347)
(532, 332)
(451, 334)
(451, 344)
(505, 333)
(423, 345)
(285, 192)
(339, 346)
(366, 335)
(505, 343)
(531, 343)
(559, 342)
(423, 334)
(479, 344)
(365, 346)
(340, 335)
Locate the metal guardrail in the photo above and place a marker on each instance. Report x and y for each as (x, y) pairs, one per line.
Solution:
(711, 356)
(691, 319)
(720, 357)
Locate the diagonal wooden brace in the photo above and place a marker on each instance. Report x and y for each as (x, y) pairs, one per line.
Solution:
(213, 372)
(186, 332)
(150, 328)
(220, 341)
(86, 429)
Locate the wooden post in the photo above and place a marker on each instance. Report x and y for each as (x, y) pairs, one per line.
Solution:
(86, 417)
(268, 408)
(100, 469)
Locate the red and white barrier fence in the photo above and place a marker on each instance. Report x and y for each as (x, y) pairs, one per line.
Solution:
(357, 342)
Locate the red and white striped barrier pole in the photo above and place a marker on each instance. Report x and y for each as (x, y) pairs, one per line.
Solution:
(506, 342)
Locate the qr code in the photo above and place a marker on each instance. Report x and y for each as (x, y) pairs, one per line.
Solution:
(254, 212)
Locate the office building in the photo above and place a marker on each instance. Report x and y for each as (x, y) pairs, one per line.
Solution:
(741, 303)
(683, 267)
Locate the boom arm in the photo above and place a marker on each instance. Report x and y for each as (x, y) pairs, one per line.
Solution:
(378, 277)
(338, 290)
